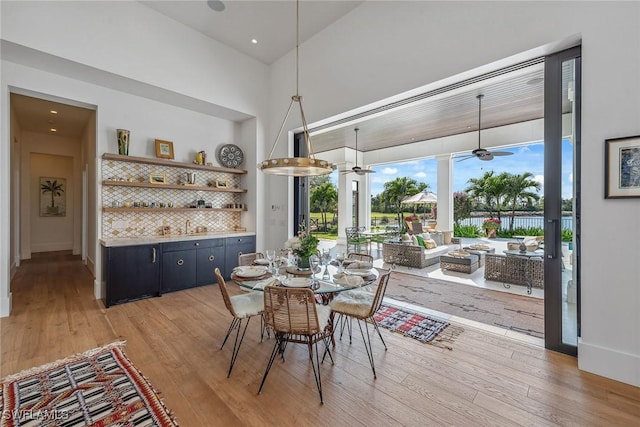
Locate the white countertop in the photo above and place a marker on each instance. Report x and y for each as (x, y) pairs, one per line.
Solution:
(149, 240)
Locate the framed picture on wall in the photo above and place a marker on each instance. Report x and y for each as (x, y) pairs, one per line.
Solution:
(53, 197)
(164, 149)
(622, 167)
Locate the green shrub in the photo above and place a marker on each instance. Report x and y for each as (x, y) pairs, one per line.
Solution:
(567, 235)
(465, 230)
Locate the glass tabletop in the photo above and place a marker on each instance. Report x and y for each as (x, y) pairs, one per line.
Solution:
(324, 286)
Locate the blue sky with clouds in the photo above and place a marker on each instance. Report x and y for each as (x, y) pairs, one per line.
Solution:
(526, 158)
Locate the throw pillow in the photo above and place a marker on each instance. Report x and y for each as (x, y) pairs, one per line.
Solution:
(430, 244)
(426, 236)
(405, 237)
(420, 240)
(414, 241)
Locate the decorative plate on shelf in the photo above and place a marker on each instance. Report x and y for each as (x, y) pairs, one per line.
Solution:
(230, 156)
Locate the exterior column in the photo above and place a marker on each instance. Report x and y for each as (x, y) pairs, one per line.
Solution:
(445, 193)
(344, 205)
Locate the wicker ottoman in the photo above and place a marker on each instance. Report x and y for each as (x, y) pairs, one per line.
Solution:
(480, 252)
(467, 264)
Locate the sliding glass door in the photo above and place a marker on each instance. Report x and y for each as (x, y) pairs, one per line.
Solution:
(562, 196)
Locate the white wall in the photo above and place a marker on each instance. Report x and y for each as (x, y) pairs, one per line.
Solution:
(382, 49)
(130, 48)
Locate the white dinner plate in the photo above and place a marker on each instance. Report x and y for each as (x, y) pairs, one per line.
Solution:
(362, 272)
(249, 271)
(298, 282)
(261, 261)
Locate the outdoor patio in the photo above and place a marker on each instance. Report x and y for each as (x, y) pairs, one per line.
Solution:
(475, 279)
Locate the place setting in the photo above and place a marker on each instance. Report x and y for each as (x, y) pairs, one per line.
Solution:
(250, 273)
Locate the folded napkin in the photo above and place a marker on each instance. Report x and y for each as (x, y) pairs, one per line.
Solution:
(348, 280)
(264, 283)
(360, 264)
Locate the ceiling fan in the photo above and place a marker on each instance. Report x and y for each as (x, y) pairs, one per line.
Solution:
(483, 153)
(357, 169)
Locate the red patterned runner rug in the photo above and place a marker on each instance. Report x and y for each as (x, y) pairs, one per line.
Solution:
(417, 326)
(97, 388)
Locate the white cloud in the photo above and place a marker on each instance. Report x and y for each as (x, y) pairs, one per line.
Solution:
(571, 177)
(539, 179)
(421, 175)
(389, 171)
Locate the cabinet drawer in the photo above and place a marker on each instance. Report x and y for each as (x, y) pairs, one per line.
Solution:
(244, 240)
(186, 245)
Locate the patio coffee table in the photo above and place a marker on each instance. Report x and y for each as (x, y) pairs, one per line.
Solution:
(480, 252)
(462, 264)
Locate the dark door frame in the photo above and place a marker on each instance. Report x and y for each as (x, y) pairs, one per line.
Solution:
(553, 195)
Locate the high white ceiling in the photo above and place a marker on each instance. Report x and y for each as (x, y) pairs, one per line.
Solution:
(271, 23)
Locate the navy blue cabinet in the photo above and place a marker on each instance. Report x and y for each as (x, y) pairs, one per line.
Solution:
(235, 245)
(209, 256)
(131, 272)
(191, 263)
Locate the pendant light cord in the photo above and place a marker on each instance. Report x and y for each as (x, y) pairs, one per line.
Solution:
(296, 98)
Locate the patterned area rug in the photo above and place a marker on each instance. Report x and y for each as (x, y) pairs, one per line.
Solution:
(417, 326)
(518, 313)
(100, 387)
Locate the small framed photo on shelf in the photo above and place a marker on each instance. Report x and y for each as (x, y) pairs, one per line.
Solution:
(164, 149)
(222, 183)
(158, 178)
(622, 167)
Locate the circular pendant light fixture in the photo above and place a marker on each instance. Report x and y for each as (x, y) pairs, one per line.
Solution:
(296, 166)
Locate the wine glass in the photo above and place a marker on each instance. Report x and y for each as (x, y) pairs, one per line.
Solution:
(271, 255)
(340, 257)
(326, 259)
(314, 261)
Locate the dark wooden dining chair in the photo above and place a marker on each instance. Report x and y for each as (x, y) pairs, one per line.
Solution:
(294, 317)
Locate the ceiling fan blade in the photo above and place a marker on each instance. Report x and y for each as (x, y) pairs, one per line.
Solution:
(486, 157)
(467, 157)
(501, 153)
(368, 171)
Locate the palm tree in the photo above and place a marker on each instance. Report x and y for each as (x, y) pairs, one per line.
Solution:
(54, 188)
(492, 189)
(397, 190)
(323, 198)
(519, 190)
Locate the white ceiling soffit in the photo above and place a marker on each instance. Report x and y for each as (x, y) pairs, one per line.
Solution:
(271, 23)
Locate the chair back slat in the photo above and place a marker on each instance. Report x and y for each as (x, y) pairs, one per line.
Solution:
(248, 258)
(223, 289)
(291, 310)
(380, 291)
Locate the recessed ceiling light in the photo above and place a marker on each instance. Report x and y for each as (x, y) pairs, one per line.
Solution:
(53, 130)
(53, 111)
(216, 5)
(254, 41)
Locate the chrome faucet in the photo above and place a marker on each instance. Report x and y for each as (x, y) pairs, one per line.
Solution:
(187, 224)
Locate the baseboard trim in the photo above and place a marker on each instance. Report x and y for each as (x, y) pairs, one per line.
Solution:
(617, 365)
(5, 306)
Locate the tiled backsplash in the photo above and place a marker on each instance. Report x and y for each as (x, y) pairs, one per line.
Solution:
(150, 223)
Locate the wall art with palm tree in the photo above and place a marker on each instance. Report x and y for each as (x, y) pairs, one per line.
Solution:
(53, 199)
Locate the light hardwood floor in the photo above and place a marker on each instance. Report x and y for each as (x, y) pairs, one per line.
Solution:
(175, 339)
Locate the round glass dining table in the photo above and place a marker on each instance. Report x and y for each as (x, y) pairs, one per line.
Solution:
(319, 286)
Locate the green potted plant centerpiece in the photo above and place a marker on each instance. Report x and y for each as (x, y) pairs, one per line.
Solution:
(303, 246)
